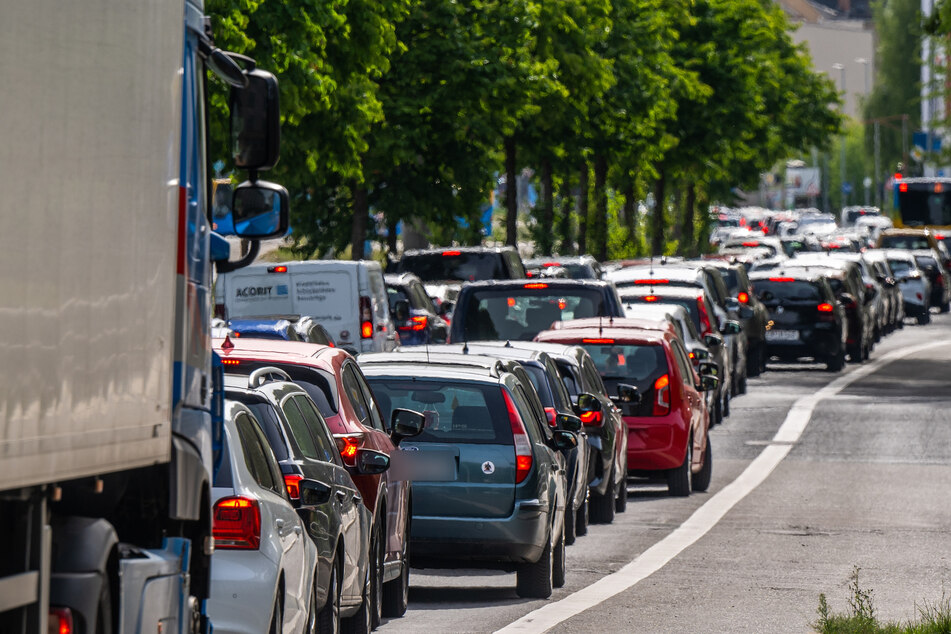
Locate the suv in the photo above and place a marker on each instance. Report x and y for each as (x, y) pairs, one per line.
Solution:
(444, 270)
(332, 379)
(496, 493)
(659, 394)
(913, 282)
(578, 267)
(413, 311)
(518, 310)
(806, 318)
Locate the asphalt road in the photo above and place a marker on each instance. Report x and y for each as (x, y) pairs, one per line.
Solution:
(866, 483)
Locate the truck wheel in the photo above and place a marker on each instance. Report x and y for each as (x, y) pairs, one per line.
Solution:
(678, 478)
(534, 581)
(700, 481)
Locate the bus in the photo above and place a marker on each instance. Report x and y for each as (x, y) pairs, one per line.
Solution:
(923, 203)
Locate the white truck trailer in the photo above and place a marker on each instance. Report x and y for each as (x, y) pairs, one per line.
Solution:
(107, 388)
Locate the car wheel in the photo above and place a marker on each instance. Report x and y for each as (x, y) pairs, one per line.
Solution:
(581, 519)
(396, 592)
(359, 623)
(742, 389)
(836, 363)
(558, 569)
(700, 481)
(311, 627)
(924, 318)
(717, 416)
(901, 323)
(726, 407)
(602, 506)
(678, 478)
(754, 362)
(855, 353)
(104, 610)
(328, 619)
(620, 502)
(534, 581)
(277, 618)
(867, 351)
(571, 524)
(945, 307)
(376, 575)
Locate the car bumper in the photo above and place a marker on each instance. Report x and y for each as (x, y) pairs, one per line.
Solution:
(242, 591)
(655, 443)
(458, 541)
(813, 342)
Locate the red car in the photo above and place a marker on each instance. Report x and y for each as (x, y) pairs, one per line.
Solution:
(334, 381)
(667, 418)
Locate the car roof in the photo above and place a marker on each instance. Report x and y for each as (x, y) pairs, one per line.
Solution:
(560, 259)
(617, 334)
(476, 363)
(800, 273)
(399, 279)
(678, 271)
(476, 249)
(660, 289)
(477, 369)
(504, 351)
(557, 283)
(274, 389)
(279, 350)
(616, 322)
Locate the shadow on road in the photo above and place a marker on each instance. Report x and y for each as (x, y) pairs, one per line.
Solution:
(442, 597)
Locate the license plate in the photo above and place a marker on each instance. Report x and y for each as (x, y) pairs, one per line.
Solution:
(782, 335)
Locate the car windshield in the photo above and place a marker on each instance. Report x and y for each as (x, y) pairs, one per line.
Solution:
(456, 411)
(773, 290)
(521, 313)
(456, 266)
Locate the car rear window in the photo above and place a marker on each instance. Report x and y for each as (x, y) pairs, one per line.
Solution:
(631, 364)
(395, 294)
(901, 267)
(795, 290)
(454, 265)
(456, 411)
(905, 242)
(319, 385)
(519, 314)
(689, 303)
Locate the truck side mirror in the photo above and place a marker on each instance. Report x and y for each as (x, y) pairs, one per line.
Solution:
(259, 210)
(256, 122)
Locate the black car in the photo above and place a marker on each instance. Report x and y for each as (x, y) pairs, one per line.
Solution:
(413, 311)
(805, 318)
(517, 310)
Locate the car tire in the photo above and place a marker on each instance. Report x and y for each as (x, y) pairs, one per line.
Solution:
(620, 502)
(726, 407)
(396, 592)
(359, 623)
(700, 481)
(328, 619)
(717, 416)
(376, 574)
(104, 609)
(678, 478)
(924, 318)
(581, 519)
(558, 566)
(277, 618)
(602, 506)
(754, 361)
(534, 581)
(311, 626)
(570, 526)
(836, 363)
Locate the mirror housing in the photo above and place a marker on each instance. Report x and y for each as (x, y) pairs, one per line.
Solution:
(628, 394)
(259, 210)
(405, 423)
(588, 404)
(568, 422)
(708, 368)
(708, 382)
(732, 327)
(256, 122)
(713, 340)
(314, 493)
(370, 462)
(847, 300)
(564, 440)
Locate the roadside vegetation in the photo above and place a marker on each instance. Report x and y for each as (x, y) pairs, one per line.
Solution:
(933, 618)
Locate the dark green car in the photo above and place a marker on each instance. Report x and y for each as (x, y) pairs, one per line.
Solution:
(489, 481)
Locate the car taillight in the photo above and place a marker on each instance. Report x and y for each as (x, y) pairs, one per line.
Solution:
(419, 323)
(292, 484)
(662, 396)
(652, 281)
(705, 328)
(237, 524)
(650, 298)
(523, 446)
(366, 318)
(347, 445)
(825, 307)
(551, 414)
(230, 362)
(60, 621)
(535, 285)
(591, 419)
(743, 298)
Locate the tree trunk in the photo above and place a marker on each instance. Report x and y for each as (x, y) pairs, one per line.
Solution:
(511, 194)
(565, 226)
(361, 212)
(630, 211)
(688, 248)
(657, 219)
(546, 235)
(583, 209)
(600, 223)
(391, 225)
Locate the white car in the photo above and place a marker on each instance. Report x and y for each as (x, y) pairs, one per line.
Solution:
(262, 570)
(914, 284)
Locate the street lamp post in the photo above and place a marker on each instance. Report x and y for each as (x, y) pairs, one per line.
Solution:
(877, 167)
(841, 68)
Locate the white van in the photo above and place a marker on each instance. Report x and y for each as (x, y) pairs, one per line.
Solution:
(347, 298)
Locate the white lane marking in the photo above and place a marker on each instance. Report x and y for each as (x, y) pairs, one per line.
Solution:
(705, 517)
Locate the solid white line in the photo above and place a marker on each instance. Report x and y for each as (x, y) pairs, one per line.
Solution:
(705, 517)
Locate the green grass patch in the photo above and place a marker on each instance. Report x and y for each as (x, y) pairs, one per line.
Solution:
(933, 618)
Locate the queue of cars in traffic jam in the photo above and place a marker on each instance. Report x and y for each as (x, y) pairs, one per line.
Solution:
(469, 410)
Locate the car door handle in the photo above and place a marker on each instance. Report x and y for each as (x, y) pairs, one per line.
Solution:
(297, 529)
(341, 495)
(279, 523)
(357, 498)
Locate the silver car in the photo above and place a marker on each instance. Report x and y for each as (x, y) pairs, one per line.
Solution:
(914, 283)
(262, 570)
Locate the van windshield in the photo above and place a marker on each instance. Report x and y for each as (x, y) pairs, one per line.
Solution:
(458, 266)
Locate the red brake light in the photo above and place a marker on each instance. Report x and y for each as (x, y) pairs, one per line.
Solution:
(536, 285)
(751, 244)
(782, 279)
(597, 341)
(510, 301)
(551, 414)
(292, 484)
(590, 419)
(662, 400)
(551, 264)
(237, 524)
(742, 297)
(650, 298)
(347, 445)
(366, 318)
(705, 328)
(447, 254)
(562, 304)
(652, 281)
(230, 362)
(938, 188)
(903, 187)
(277, 269)
(419, 323)
(523, 446)
(60, 621)
(824, 307)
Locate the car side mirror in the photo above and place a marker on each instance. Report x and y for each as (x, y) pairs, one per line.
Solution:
(259, 210)
(446, 308)
(568, 422)
(256, 122)
(732, 303)
(405, 423)
(588, 404)
(401, 310)
(628, 394)
(745, 312)
(370, 462)
(713, 340)
(847, 300)
(564, 440)
(731, 327)
(314, 492)
(708, 382)
(708, 368)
